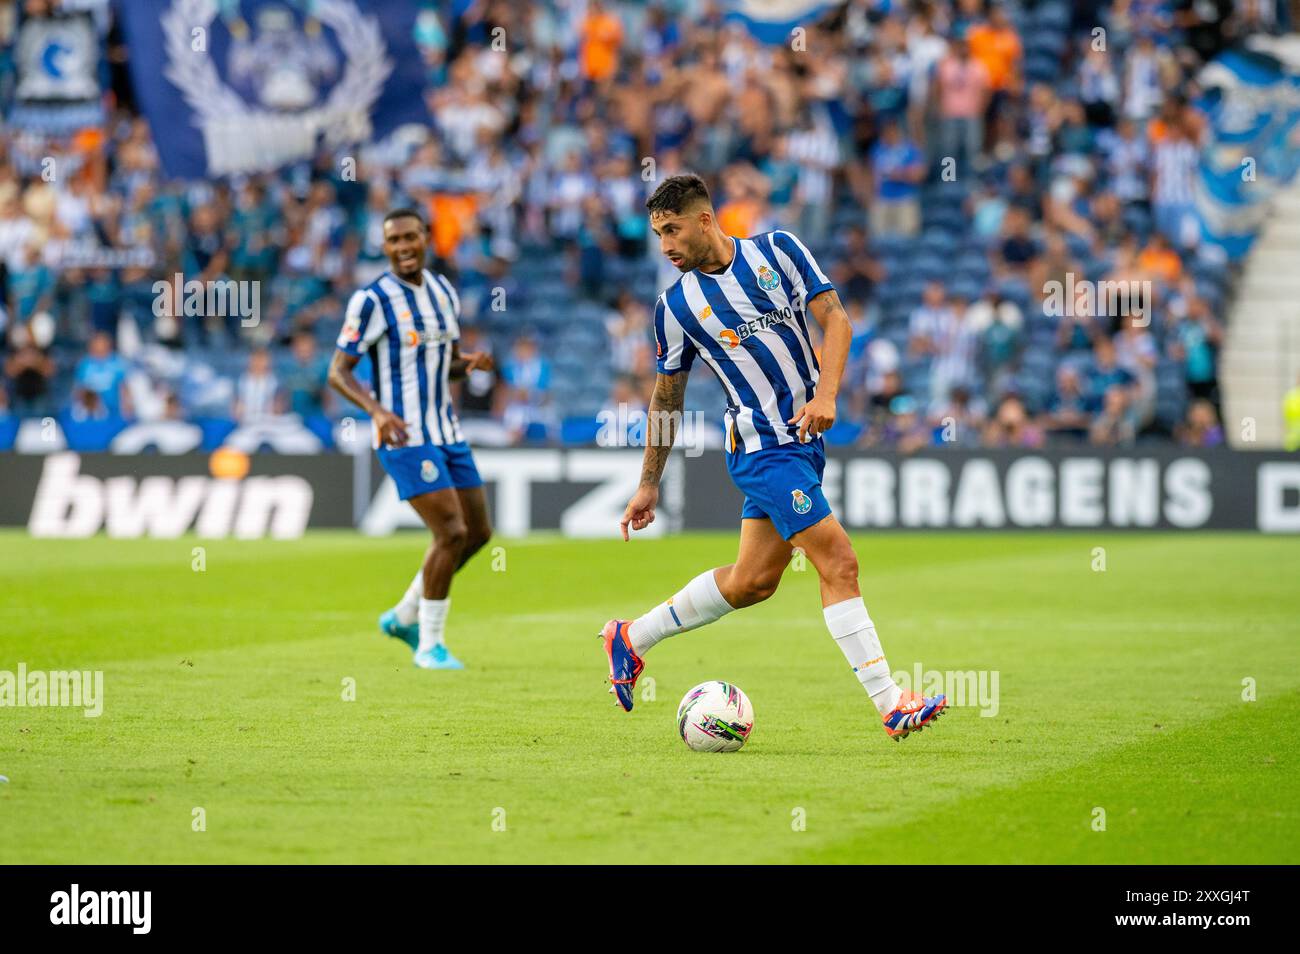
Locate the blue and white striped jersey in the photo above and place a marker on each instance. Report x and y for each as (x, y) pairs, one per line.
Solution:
(408, 331)
(749, 325)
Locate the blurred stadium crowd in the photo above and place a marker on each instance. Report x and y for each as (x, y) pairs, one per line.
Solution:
(946, 162)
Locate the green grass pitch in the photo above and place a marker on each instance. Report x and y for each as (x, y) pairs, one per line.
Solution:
(1119, 690)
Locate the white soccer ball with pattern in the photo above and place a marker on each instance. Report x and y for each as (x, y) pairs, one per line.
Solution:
(715, 717)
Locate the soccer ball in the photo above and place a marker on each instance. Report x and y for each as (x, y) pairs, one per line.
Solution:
(715, 717)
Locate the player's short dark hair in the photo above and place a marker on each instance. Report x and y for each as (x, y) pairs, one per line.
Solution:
(678, 193)
(405, 213)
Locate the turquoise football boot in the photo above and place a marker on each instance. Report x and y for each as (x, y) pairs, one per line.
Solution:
(439, 657)
(389, 626)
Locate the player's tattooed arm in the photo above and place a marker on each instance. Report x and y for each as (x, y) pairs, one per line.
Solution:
(463, 364)
(392, 429)
(665, 412)
(817, 416)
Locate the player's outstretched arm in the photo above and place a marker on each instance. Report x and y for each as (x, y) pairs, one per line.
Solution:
(392, 429)
(665, 414)
(817, 416)
(463, 364)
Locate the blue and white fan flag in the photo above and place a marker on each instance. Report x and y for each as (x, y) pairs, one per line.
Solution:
(241, 86)
(1253, 103)
(773, 21)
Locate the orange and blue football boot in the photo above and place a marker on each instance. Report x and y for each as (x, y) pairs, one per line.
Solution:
(912, 714)
(624, 665)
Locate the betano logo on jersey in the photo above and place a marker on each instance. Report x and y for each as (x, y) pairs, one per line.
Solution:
(413, 338)
(732, 337)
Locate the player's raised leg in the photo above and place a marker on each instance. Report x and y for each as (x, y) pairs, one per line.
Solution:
(478, 526)
(760, 560)
(442, 513)
(829, 549)
(403, 620)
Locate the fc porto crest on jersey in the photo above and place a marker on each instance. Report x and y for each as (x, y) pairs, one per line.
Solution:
(800, 501)
(428, 472)
(767, 279)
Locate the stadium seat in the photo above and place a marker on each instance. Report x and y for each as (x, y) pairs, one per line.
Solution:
(843, 433)
(92, 434)
(215, 430)
(579, 430)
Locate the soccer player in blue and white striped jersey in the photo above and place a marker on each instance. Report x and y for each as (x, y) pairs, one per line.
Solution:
(407, 322)
(742, 307)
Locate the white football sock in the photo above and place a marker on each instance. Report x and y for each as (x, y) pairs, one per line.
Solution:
(697, 603)
(855, 634)
(408, 607)
(433, 617)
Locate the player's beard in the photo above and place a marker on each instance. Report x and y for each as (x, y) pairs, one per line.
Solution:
(411, 275)
(694, 257)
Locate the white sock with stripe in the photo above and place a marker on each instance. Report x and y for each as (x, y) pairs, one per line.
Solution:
(408, 607)
(433, 619)
(855, 634)
(697, 603)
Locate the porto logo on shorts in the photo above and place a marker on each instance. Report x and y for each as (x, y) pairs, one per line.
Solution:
(801, 502)
(767, 279)
(428, 473)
